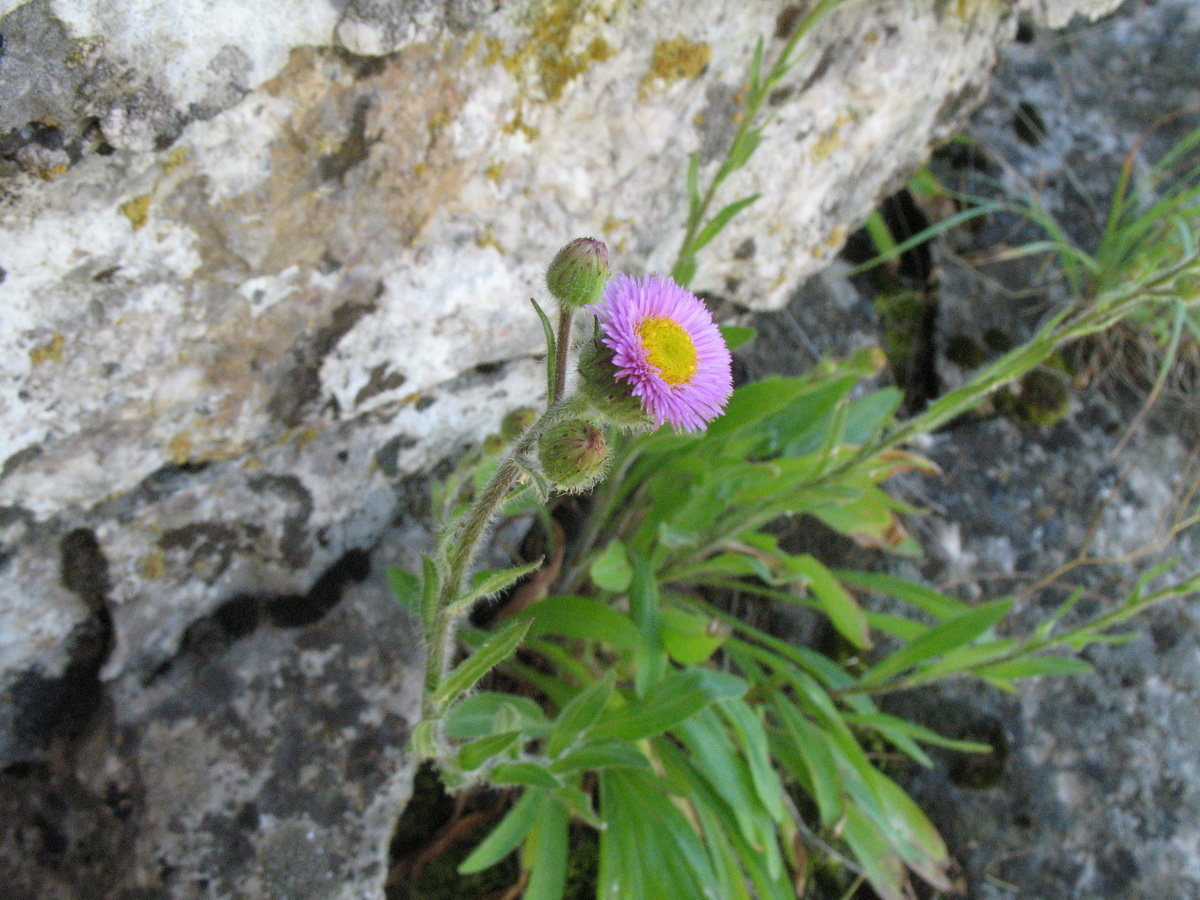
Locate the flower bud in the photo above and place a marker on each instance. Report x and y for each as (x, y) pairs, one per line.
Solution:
(573, 454)
(579, 272)
(514, 423)
(610, 397)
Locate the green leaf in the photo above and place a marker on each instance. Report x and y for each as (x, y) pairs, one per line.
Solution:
(475, 715)
(949, 635)
(611, 571)
(530, 774)
(881, 865)
(579, 715)
(751, 403)
(507, 836)
(594, 757)
(581, 617)
(551, 350)
(747, 725)
(836, 602)
(1031, 667)
(545, 853)
(490, 582)
(497, 648)
(579, 805)
(674, 699)
(888, 725)
(684, 271)
(473, 755)
(713, 756)
(407, 588)
(651, 658)
(923, 598)
(690, 638)
(908, 830)
(737, 335)
(804, 749)
(715, 225)
(693, 183)
(431, 589)
(648, 850)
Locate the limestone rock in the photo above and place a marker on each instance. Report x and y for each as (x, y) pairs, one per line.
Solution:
(263, 260)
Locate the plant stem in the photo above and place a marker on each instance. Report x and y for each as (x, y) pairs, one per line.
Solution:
(563, 345)
(466, 534)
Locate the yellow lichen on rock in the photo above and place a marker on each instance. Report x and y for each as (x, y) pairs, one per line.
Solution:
(51, 351)
(675, 60)
(153, 565)
(553, 49)
(137, 211)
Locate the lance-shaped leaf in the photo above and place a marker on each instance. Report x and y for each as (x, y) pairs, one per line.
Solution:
(508, 835)
(497, 648)
(407, 588)
(490, 582)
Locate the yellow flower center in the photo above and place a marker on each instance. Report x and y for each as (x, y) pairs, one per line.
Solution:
(669, 348)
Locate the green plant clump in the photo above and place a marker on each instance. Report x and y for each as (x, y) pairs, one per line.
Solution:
(704, 756)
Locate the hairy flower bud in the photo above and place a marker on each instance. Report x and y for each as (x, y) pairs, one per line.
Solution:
(573, 454)
(579, 272)
(610, 397)
(514, 423)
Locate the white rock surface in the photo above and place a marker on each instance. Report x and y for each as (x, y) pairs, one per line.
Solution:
(250, 279)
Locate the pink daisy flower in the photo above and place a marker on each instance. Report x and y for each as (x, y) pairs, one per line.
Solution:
(667, 347)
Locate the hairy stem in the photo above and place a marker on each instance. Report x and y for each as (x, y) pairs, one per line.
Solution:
(563, 345)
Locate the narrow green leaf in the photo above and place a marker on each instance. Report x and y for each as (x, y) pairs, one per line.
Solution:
(748, 727)
(579, 805)
(804, 749)
(551, 351)
(431, 589)
(530, 774)
(711, 754)
(909, 830)
(882, 866)
(407, 588)
(507, 836)
(684, 271)
(651, 658)
(495, 650)
(475, 715)
(653, 848)
(677, 697)
(887, 724)
(545, 853)
(693, 184)
(492, 581)
(754, 402)
(837, 603)
(952, 633)
(714, 225)
(471, 756)
(581, 617)
(611, 571)
(1031, 667)
(594, 757)
(579, 715)
(966, 658)
(923, 598)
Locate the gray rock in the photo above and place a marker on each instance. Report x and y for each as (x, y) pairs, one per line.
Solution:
(267, 760)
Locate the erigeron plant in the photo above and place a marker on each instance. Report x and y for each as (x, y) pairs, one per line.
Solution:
(655, 357)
